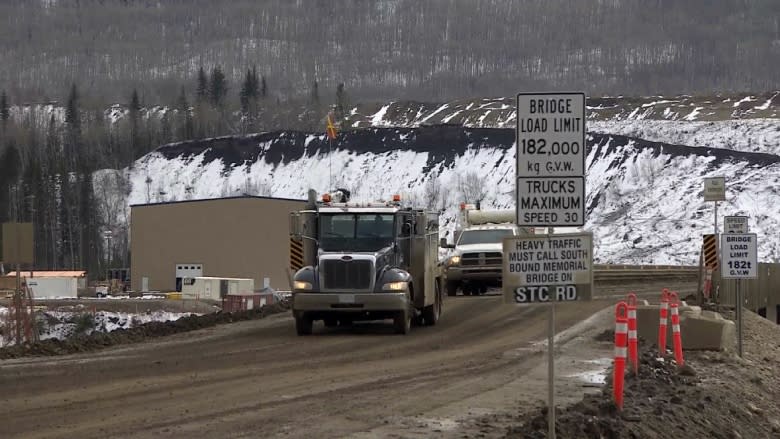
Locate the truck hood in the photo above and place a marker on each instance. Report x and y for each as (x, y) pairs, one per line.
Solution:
(473, 248)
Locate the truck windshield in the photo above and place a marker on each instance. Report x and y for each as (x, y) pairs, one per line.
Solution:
(494, 236)
(356, 232)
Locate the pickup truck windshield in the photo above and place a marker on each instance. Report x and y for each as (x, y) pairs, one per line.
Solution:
(356, 232)
(494, 236)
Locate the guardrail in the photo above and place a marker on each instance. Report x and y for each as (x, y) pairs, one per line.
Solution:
(609, 271)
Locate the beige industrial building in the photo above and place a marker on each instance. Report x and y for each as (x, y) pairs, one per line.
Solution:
(239, 237)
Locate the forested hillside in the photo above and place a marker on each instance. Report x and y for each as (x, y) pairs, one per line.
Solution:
(434, 50)
(90, 85)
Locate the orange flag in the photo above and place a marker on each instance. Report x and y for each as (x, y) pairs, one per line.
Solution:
(331, 130)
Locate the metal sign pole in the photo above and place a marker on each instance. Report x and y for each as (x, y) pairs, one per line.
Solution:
(551, 359)
(551, 371)
(739, 317)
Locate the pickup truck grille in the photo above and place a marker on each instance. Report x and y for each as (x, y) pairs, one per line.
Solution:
(346, 275)
(487, 258)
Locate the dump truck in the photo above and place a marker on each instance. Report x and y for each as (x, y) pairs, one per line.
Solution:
(476, 263)
(365, 261)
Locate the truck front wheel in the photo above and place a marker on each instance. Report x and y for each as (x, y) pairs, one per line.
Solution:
(402, 322)
(303, 324)
(452, 288)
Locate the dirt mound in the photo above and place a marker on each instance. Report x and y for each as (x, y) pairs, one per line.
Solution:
(664, 401)
(99, 340)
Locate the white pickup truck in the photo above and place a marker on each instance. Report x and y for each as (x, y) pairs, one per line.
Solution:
(476, 262)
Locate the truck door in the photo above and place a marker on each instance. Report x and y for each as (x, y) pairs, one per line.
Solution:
(404, 228)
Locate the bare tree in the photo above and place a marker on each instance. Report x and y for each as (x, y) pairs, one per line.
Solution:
(471, 187)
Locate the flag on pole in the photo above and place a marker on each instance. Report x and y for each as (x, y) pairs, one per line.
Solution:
(331, 129)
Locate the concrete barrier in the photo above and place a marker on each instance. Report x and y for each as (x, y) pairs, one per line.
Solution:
(701, 330)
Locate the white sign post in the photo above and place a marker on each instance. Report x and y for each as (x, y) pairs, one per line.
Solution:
(550, 190)
(740, 261)
(550, 159)
(735, 224)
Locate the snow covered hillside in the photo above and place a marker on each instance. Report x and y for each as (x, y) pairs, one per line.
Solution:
(644, 203)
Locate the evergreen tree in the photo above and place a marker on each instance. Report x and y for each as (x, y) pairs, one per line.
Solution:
(185, 127)
(73, 129)
(202, 87)
(5, 112)
(134, 116)
(263, 88)
(217, 87)
(341, 101)
(315, 94)
(247, 92)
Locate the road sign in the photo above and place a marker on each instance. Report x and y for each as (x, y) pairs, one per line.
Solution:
(551, 201)
(735, 224)
(550, 159)
(715, 189)
(739, 258)
(546, 268)
(17, 243)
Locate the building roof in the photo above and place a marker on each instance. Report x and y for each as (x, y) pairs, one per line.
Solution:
(257, 197)
(44, 273)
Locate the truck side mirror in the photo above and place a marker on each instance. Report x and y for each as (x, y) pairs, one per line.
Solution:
(443, 243)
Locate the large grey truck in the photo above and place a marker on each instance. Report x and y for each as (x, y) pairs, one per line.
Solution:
(365, 261)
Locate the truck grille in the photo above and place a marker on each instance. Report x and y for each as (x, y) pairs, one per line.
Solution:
(487, 258)
(346, 275)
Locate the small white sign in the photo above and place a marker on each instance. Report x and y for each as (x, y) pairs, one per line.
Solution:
(551, 201)
(715, 189)
(736, 224)
(542, 268)
(739, 259)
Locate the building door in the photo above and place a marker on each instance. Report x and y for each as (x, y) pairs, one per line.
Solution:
(187, 270)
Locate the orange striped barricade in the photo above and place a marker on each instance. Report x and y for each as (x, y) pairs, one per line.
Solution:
(621, 339)
(676, 336)
(633, 342)
(662, 323)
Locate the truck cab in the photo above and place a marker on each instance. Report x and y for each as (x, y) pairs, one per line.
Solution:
(476, 262)
(365, 261)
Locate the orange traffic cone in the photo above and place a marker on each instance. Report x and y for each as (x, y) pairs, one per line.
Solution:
(633, 342)
(676, 336)
(621, 339)
(662, 323)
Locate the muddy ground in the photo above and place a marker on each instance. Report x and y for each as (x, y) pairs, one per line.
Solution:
(102, 340)
(480, 373)
(715, 395)
(128, 305)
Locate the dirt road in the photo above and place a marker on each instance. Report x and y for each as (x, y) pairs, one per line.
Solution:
(258, 379)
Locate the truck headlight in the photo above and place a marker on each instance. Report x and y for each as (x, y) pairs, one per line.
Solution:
(395, 286)
(300, 285)
(454, 260)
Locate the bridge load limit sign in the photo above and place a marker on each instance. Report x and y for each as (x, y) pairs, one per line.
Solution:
(542, 268)
(550, 159)
(739, 255)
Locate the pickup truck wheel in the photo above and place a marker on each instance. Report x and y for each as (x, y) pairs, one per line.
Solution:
(402, 322)
(452, 288)
(303, 324)
(431, 313)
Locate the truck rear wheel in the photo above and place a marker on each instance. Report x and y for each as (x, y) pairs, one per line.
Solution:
(452, 288)
(431, 313)
(303, 324)
(402, 322)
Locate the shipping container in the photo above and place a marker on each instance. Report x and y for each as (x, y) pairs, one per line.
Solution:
(215, 288)
(53, 287)
(244, 302)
